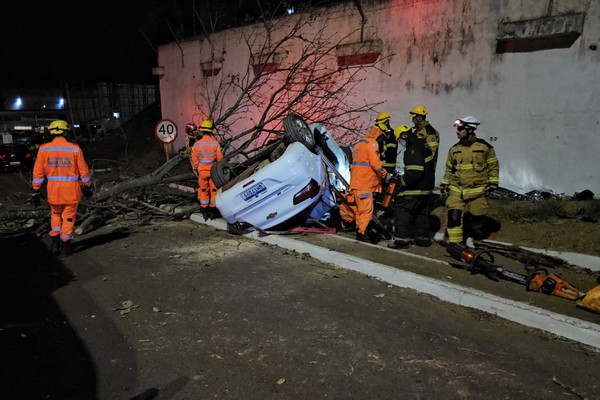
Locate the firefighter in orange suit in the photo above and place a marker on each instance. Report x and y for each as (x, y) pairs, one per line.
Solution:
(63, 165)
(472, 170)
(366, 174)
(205, 152)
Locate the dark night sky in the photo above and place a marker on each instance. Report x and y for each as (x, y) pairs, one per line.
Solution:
(46, 44)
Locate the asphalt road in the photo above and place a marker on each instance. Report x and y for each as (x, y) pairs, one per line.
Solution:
(211, 315)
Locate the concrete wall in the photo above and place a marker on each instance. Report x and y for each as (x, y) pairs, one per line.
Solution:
(539, 109)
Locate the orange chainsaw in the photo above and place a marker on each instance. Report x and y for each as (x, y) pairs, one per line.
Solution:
(540, 280)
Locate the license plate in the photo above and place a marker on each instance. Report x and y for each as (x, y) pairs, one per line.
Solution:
(253, 191)
(15, 163)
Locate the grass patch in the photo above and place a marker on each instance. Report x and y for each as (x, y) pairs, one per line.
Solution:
(545, 210)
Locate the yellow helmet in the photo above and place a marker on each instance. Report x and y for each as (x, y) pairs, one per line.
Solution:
(383, 121)
(58, 127)
(206, 126)
(419, 110)
(382, 117)
(400, 131)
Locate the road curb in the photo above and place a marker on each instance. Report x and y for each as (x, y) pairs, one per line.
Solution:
(567, 327)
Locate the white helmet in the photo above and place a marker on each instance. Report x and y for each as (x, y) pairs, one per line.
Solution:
(468, 121)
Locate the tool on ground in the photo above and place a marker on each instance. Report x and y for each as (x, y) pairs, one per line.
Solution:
(591, 300)
(540, 280)
(482, 262)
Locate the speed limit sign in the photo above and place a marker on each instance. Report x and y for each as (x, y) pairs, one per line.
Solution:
(165, 130)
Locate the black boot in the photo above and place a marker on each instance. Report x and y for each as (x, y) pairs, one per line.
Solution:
(400, 243)
(423, 241)
(66, 249)
(211, 213)
(55, 245)
(361, 237)
(205, 213)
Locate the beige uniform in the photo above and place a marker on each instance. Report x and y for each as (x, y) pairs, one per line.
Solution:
(470, 171)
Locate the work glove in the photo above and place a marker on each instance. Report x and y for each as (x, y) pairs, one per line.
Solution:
(444, 190)
(36, 198)
(88, 192)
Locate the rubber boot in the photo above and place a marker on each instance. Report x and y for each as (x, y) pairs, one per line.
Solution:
(211, 213)
(55, 245)
(205, 213)
(361, 237)
(66, 249)
(423, 241)
(400, 243)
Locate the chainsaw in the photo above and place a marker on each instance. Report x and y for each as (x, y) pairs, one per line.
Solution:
(539, 280)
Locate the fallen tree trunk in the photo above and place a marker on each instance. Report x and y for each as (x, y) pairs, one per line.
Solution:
(154, 178)
(109, 203)
(24, 213)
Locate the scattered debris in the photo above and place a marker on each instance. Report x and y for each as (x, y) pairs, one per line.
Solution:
(126, 307)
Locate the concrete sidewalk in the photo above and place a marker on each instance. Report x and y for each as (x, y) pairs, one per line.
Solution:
(567, 327)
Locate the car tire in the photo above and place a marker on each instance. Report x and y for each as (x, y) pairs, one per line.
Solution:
(297, 130)
(221, 173)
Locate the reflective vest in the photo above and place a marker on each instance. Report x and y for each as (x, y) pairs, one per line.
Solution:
(471, 168)
(205, 152)
(62, 163)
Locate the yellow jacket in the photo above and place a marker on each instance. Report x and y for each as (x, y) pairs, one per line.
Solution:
(471, 169)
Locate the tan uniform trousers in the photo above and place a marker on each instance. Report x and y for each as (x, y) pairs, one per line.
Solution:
(477, 207)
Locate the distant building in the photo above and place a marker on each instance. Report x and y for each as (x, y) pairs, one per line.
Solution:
(104, 105)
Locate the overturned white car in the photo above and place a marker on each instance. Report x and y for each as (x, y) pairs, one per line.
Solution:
(295, 185)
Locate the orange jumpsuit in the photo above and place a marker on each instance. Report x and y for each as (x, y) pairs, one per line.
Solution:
(347, 209)
(365, 179)
(205, 152)
(62, 163)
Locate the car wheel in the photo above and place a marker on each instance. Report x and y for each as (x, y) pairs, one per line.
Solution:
(221, 173)
(297, 130)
